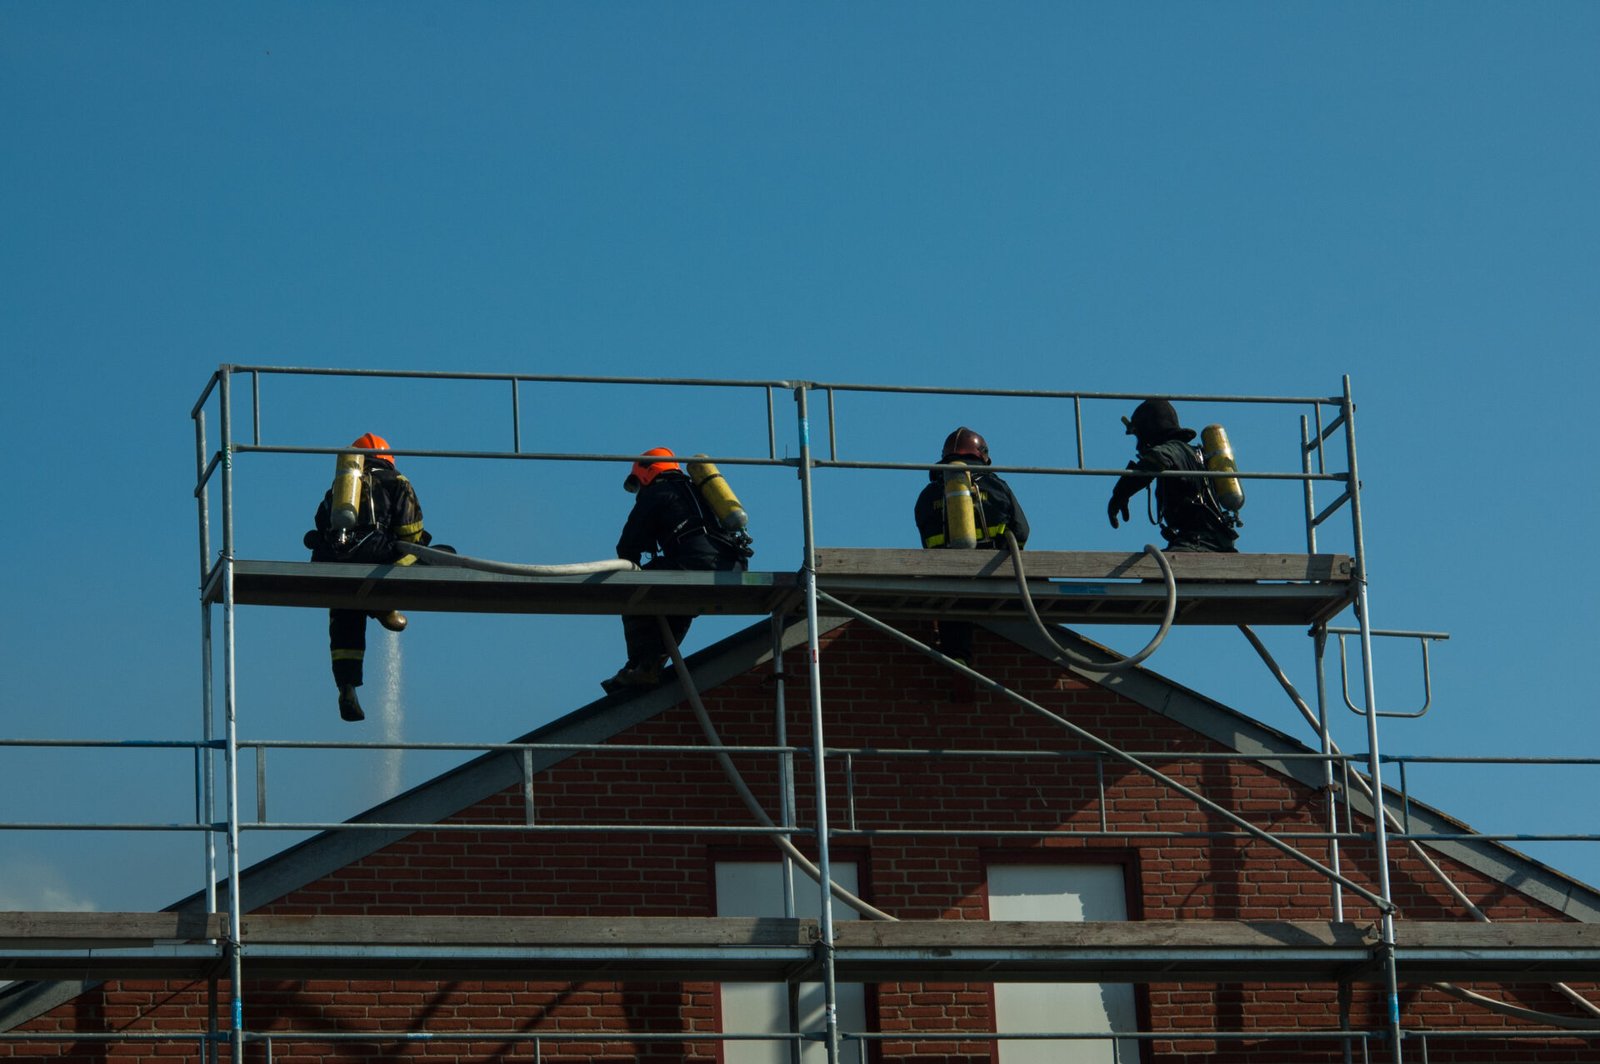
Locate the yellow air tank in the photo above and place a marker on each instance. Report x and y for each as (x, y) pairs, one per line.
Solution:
(718, 495)
(346, 492)
(1219, 459)
(960, 515)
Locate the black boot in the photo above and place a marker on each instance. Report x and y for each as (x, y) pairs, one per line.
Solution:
(349, 704)
(393, 620)
(635, 674)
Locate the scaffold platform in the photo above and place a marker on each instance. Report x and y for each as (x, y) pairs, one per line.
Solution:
(733, 949)
(1067, 587)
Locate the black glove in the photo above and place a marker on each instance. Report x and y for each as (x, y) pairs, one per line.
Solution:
(1116, 506)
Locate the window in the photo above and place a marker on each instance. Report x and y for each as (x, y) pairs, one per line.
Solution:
(1061, 892)
(755, 888)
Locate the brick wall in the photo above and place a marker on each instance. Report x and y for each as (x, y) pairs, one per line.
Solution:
(877, 696)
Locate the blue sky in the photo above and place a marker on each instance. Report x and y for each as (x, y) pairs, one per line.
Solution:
(1229, 198)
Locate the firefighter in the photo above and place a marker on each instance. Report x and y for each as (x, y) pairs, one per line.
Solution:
(673, 523)
(370, 508)
(1190, 517)
(942, 522)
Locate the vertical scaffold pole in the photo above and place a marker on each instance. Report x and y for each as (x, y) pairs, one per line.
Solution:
(231, 759)
(205, 803)
(1380, 827)
(205, 785)
(1319, 635)
(830, 996)
(780, 713)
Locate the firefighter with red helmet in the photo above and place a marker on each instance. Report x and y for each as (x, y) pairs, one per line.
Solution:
(673, 523)
(370, 508)
(994, 512)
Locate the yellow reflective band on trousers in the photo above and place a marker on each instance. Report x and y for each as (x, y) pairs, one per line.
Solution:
(348, 655)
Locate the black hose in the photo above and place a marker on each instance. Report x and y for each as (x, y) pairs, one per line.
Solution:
(1065, 656)
(753, 804)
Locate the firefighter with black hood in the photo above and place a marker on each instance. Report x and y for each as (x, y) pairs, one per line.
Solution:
(994, 511)
(673, 523)
(1187, 511)
(370, 508)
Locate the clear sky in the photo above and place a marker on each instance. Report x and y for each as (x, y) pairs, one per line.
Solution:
(1222, 198)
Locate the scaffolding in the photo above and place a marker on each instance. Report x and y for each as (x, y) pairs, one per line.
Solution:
(881, 588)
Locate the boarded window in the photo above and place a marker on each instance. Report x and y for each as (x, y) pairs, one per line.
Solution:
(1062, 892)
(755, 888)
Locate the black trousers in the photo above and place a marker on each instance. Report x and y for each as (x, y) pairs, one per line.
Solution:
(347, 629)
(642, 632)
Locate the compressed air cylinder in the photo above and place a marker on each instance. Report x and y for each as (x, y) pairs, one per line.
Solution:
(1219, 459)
(346, 492)
(718, 495)
(960, 516)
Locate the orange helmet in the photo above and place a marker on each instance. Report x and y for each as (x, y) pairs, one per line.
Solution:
(371, 441)
(644, 471)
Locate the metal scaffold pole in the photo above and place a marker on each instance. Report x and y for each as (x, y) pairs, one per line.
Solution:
(205, 783)
(1319, 635)
(1374, 768)
(204, 802)
(231, 762)
(786, 788)
(830, 995)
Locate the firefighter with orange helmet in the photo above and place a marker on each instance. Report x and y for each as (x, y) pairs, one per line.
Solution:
(370, 508)
(675, 525)
(987, 511)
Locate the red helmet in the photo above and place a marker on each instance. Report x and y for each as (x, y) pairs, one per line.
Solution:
(371, 441)
(644, 471)
(964, 443)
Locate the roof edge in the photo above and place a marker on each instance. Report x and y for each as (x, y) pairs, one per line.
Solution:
(456, 789)
(1244, 734)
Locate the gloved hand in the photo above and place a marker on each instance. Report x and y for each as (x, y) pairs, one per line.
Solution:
(1114, 507)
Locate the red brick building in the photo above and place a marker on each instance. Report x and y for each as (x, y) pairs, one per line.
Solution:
(952, 807)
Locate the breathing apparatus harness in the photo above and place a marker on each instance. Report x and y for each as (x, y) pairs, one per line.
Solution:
(703, 523)
(1203, 495)
(732, 542)
(352, 514)
(1197, 492)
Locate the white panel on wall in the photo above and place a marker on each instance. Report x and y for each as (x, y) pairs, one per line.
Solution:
(755, 888)
(1062, 892)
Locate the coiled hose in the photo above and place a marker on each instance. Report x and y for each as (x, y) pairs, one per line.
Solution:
(1067, 657)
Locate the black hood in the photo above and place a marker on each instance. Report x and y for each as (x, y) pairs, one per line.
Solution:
(1155, 421)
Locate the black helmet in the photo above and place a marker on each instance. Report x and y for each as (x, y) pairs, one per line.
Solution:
(1155, 421)
(964, 443)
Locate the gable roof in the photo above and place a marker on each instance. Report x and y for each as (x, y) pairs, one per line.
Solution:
(751, 648)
